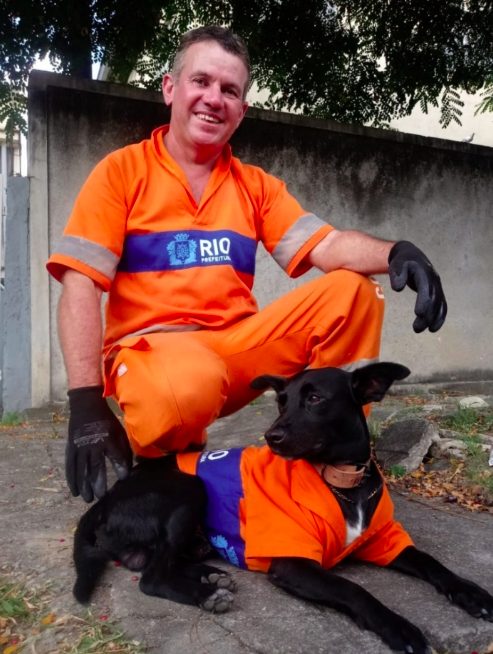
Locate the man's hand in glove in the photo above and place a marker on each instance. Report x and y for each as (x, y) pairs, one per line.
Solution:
(94, 432)
(409, 266)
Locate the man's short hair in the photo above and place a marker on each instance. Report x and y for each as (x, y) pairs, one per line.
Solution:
(223, 36)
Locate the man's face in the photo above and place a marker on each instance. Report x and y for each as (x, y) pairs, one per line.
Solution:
(207, 97)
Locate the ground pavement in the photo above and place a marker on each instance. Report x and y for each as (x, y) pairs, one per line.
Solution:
(38, 516)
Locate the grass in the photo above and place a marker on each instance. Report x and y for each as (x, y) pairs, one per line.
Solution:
(100, 638)
(397, 471)
(11, 419)
(375, 429)
(469, 424)
(25, 619)
(469, 421)
(13, 602)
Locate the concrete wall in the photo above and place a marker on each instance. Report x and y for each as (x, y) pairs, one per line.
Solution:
(433, 192)
(15, 301)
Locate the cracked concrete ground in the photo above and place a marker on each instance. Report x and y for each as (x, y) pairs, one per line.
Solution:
(38, 516)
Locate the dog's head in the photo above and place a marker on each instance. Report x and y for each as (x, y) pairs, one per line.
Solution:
(321, 415)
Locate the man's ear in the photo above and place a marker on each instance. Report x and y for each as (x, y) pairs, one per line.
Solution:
(269, 381)
(167, 87)
(370, 383)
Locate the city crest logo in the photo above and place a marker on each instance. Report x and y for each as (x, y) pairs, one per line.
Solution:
(185, 250)
(182, 251)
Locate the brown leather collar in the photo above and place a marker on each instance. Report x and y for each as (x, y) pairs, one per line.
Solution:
(343, 475)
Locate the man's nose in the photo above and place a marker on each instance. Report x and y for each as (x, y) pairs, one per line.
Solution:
(213, 95)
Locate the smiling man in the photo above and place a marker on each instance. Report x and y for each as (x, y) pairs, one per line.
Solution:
(207, 90)
(169, 228)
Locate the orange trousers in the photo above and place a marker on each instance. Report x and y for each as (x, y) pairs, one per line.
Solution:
(171, 386)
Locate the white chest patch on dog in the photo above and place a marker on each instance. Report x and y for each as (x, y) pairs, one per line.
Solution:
(354, 529)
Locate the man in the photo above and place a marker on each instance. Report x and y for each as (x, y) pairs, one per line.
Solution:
(169, 228)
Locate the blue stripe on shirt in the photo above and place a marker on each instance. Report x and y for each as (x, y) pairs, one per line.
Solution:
(161, 251)
(221, 474)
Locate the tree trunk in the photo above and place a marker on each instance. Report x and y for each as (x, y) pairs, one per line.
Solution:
(78, 44)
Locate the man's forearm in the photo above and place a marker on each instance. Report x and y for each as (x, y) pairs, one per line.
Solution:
(352, 250)
(80, 330)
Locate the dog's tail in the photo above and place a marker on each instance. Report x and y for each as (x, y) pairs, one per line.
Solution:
(90, 560)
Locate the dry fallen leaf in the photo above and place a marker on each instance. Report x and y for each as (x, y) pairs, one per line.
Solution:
(11, 649)
(49, 618)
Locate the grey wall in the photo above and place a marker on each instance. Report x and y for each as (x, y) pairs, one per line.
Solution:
(436, 193)
(15, 300)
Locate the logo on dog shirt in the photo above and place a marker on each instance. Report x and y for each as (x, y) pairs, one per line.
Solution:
(223, 548)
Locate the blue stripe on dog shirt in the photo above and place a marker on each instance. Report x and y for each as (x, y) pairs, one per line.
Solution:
(220, 472)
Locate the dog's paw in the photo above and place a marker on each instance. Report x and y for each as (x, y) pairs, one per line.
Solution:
(402, 636)
(473, 599)
(220, 580)
(220, 601)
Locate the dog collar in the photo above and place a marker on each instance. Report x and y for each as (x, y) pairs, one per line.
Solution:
(344, 475)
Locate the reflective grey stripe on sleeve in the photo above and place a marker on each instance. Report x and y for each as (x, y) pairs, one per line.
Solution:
(92, 254)
(296, 236)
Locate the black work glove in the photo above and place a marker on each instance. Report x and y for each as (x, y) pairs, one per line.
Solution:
(94, 432)
(408, 265)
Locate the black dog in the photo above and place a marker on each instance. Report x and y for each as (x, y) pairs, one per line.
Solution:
(150, 523)
(319, 442)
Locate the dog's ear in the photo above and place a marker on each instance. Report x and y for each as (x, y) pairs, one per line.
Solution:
(269, 381)
(371, 382)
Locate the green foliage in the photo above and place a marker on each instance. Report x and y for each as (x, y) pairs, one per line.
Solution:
(12, 109)
(349, 60)
(451, 108)
(478, 471)
(469, 421)
(26, 617)
(13, 601)
(397, 471)
(11, 419)
(486, 103)
(374, 427)
(367, 62)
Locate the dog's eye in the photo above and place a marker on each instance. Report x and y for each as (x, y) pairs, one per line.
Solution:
(313, 398)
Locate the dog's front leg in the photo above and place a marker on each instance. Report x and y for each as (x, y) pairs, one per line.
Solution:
(466, 594)
(309, 580)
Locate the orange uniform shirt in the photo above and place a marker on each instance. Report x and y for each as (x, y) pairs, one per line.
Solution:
(168, 262)
(271, 508)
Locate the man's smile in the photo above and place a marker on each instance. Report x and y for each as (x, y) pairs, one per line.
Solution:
(208, 118)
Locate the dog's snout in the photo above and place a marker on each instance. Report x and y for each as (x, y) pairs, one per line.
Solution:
(275, 436)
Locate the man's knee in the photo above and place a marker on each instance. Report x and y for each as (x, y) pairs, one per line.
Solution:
(199, 386)
(356, 288)
(170, 394)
